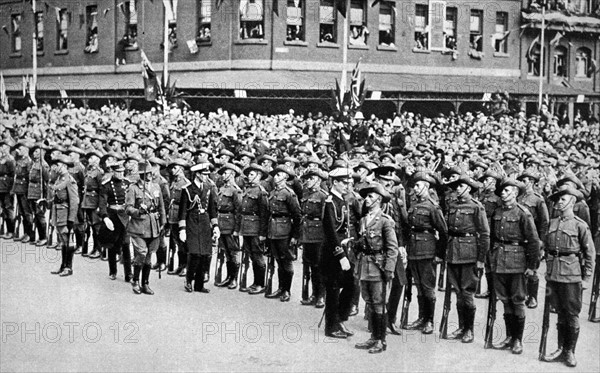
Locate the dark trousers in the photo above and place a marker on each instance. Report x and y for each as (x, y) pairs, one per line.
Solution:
(176, 245)
(566, 299)
(254, 249)
(26, 215)
(394, 298)
(197, 266)
(281, 251)
(231, 245)
(463, 278)
(311, 257)
(39, 218)
(510, 290)
(92, 227)
(423, 272)
(8, 211)
(120, 246)
(339, 290)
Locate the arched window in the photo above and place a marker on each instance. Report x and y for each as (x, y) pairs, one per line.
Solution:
(582, 62)
(560, 68)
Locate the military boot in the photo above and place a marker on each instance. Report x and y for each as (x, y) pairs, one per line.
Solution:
(570, 343)
(469, 320)
(519, 326)
(227, 281)
(458, 333)
(420, 321)
(507, 343)
(559, 354)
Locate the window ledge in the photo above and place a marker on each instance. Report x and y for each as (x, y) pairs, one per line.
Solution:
(426, 51)
(61, 52)
(501, 55)
(251, 41)
(583, 79)
(364, 47)
(94, 52)
(327, 45)
(131, 49)
(203, 43)
(297, 43)
(387, 48)
(40, 53)
(15, 55)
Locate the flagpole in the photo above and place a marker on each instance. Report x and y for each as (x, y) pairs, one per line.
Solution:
(34, 54)
(344, 55)
(165, 59)
(542, 56)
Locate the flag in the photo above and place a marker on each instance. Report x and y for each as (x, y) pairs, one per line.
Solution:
(531, 46)
(499, 37)
(355, 86)
(63, 93)
(57, 11)
(170, 10)
(105, 12)
(275, 7)
(593, 69)
(150, 80)
(3, 97)
(341, 6)
(5, 29)
(32, 87)
(559, 35)
(24, 83)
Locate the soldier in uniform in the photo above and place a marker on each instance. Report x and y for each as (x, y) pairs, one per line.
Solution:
(7, 175)
(254, 224)
(156, 164)
(198, 225)
(569, 261)
(145, 206)
(179, 181)
(514, 256)
(20, 186)
(378, 252)
(468, 244)
(426, 245)
(38, 177)
(311, 235)
(64, 214)
(537, 206)
(229, 204)
(111, 210)
(337, 260)
(490, 201)
(91, 201)
(284, 224)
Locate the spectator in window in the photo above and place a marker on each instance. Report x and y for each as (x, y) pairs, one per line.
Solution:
(387, 38)
(359, 35)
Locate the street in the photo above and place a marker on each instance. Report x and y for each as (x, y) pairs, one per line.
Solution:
(86, 322)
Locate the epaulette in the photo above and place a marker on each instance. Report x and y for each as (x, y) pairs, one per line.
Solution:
(580, 220)
(387, 216)
(524, 209)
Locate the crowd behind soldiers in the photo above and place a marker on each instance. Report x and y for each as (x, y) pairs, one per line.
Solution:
(375, 205)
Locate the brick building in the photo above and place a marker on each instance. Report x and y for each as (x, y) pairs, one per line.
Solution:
(275, 54)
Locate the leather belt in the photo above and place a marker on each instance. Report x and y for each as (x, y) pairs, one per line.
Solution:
(422, 230)
(512, 243)
(276, 216)
(460, 234)
(117, 207)
(560, 253)
(225, 212)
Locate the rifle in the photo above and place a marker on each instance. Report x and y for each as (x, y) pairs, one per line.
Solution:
(219, 264)
(595, 290)
(171, 257)
(406, 301)
(305, 280)
(545, 325)
(446, 311)
(491, 318)
(244, 271)
(269, 273)
(441, 278)
(18, 217)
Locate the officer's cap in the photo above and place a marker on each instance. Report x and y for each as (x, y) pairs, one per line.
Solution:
(203, 167)
(340, 173)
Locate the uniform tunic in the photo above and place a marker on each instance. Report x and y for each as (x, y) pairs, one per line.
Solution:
(198, 208)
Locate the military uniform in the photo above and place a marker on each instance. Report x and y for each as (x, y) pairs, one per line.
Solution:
(64, 214)
(161, 254)
(78, 173)
(20, 185)
(468, 243)
(145, 226)
(112, 206)
(38, 177)
(229, 203)
(7, 208)
(175, 244)
(89, 206)
(427, 239)
(490, 202)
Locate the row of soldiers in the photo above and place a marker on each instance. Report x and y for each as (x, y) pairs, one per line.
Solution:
(361, 231)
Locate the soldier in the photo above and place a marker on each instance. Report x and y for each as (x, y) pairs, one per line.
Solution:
(468, 244)
(490, 202)
(22, 167)
(91, 201)
(179, 181)
(111, 209)
(284, 224)
(337, 261)
(254, 225)
(311, 235)
(198, 225)
(537, 206)
(145, 206)
(229, 205)
(7, 174)
(156, 164)
(514, 256)
(426, 246)
(378, 252)
(65, 206)
(569, 261)
(78, 173)
(38, 177)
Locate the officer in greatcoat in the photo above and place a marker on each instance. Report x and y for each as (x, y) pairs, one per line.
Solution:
(178, 182)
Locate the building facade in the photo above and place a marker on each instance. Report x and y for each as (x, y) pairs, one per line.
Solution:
(412, 53)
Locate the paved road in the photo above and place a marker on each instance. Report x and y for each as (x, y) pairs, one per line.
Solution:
(88, 323)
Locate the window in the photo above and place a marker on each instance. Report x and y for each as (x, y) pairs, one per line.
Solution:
(583, 63)
(129, 10)
(252, 19)
(559, 68)
(387, 31)
(204, 14)
(359, 33)
(171, 14)
(450, 29)
(91, 19)
(476, 30)
(39, 31)
(500, 45)
(15, 33)
(295, 20)
(533, 61)
(62, 28)
(421, 27)
(327, 22)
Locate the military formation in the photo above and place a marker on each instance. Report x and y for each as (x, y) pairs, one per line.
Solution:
(367, 217)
